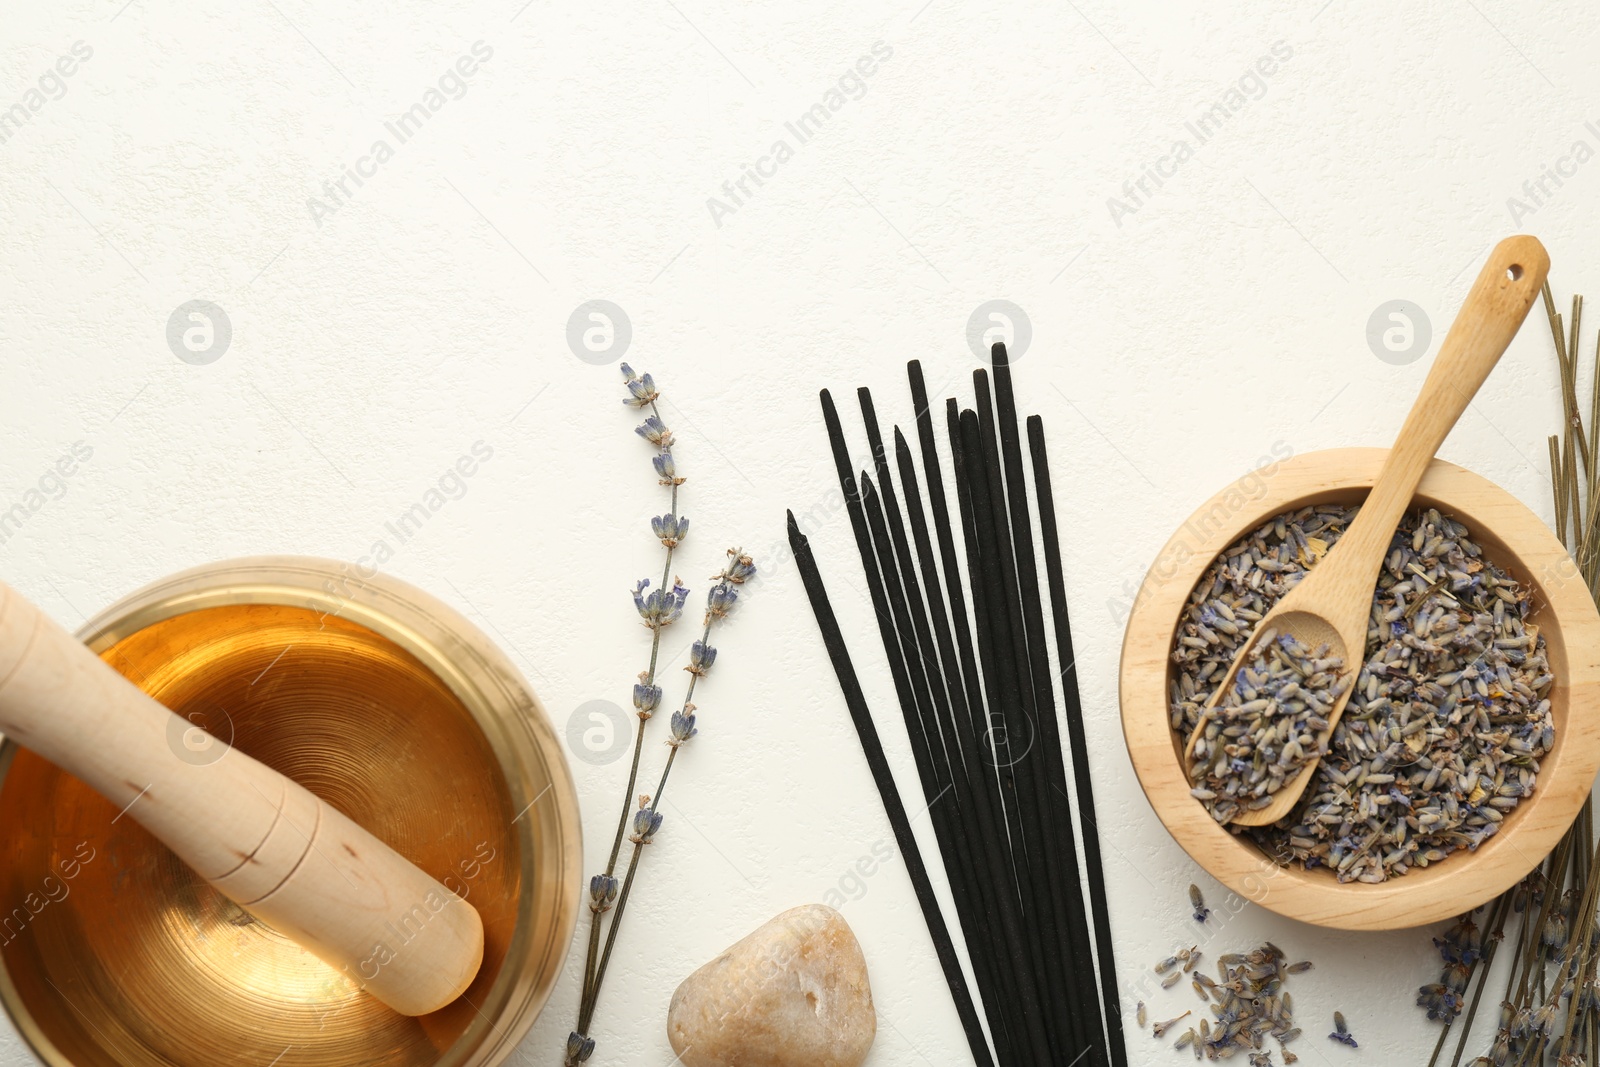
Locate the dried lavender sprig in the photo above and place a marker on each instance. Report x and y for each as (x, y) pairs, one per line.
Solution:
(647, 820)
(1565, 888)
(658, 609)
(661, 607)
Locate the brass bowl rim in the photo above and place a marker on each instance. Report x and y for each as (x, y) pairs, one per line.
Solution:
(502, 703)
(1533, 554)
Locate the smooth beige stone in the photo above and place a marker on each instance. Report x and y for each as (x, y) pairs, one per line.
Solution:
(792, 994)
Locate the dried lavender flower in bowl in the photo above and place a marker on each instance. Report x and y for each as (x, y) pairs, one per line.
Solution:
(1264, 730)
(1443, 735)
(1535, 716)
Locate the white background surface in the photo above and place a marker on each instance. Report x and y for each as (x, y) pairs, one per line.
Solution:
(428, 312)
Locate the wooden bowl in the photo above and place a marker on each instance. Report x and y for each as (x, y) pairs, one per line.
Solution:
(1513, 537)
(374, 696)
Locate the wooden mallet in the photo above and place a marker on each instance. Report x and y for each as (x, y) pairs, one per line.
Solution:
(285, 856)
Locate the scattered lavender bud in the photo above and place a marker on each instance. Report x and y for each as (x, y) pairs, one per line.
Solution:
(1198, 901)
(1341, 1032)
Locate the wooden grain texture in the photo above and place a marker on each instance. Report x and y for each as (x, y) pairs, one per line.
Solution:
(1331, 605)
(1511, 535)
(287, 857)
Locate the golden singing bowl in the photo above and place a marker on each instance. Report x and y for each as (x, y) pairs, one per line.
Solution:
(377, 698)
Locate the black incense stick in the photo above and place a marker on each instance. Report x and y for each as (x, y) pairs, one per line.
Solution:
(872, 747)
(1016, 477)
(1015, 734)
(1057, 927)
(970, 661)
(909, 685)
(947, 808)
(934, 477)
(1080, 748)
(962, 743)
(994, 744)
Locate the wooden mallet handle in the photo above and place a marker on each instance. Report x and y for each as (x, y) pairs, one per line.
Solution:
(284, 855)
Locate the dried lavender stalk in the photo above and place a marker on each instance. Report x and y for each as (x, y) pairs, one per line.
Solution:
(1550, 1010)
(658, 608)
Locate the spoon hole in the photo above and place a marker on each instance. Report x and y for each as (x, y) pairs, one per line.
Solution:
(1514, 272)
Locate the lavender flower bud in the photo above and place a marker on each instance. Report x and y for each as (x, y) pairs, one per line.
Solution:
(659, 607)
(602, 892)
(666, 470)
(1462, 943)
(721, 599)
(741, 569)
(1440, 1001)
(1555, 934)
(701, 657)
(682, 728)
(579, 1048)
(655, 431)
(642, 390)
(646, 697)
(670, 529)
(645, 825)
(1589, 997)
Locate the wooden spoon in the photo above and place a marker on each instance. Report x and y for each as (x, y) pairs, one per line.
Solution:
(1333, 602)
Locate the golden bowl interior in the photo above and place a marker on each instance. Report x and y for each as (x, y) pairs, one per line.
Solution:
(1515, 539)
(116, 953)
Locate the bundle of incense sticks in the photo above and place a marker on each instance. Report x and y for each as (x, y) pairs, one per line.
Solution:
(969, 655)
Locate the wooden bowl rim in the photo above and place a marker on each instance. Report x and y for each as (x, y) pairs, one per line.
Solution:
(1571, 626)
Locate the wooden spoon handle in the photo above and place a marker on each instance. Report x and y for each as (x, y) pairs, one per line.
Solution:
(1489, 318)
(281, 853)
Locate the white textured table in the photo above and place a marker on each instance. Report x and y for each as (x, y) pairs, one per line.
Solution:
(380, 327)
